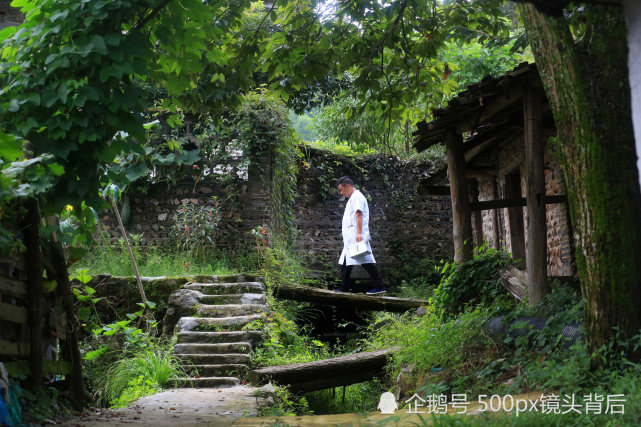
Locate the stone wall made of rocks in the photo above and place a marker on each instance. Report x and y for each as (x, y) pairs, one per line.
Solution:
(9, 16)
(405, 220)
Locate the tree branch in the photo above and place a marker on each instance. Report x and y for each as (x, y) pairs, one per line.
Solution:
(154, 12)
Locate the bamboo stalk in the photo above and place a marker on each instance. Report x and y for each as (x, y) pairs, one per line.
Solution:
(131, 254)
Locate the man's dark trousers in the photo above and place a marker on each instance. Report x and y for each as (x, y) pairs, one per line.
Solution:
(346, 271)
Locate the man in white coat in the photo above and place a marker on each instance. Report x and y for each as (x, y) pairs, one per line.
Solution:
(356, 229)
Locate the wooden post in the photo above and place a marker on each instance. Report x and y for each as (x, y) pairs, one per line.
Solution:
(462, 221)
(495, 216)
(536, 262)
(477, 219)
(515, 217)
(30, 231)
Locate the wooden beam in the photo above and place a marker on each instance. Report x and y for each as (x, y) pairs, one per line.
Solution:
(12, 287)
(480, 172)
(515, 281)
(515, 202)
(49, 367)
(462, 223)
(16, 262)
(492, 107)
(13, 313)
(8, 348)
(535, 177)
(506, 134)
(344, 299)
(329, 373)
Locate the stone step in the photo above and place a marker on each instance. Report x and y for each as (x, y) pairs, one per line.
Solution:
(219, 324)
(214, 359)
(246, 298)
(220, 348)
(231, 370)
(229, 310)
(219, 337)
(226, 288)
(207, 382)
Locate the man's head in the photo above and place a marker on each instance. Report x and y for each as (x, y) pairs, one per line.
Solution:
(345, 186)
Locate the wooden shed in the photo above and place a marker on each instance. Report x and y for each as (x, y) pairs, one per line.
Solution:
(506, 187)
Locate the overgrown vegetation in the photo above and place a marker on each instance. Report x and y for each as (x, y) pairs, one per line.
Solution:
(154, 261)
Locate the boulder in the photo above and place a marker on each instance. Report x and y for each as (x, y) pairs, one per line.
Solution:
(182, 303)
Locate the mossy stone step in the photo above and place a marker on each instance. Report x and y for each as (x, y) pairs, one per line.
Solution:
(228, 310)
(230, 370)
(215, 359)
(246, 298)
(218, 337)
(219, 324)
(207, 382)
(226, 288)
(219, 348)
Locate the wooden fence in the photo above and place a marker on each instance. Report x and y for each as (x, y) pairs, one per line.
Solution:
(14, 330)
(15, 348)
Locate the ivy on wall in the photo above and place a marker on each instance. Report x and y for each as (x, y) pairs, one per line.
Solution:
(263, 129)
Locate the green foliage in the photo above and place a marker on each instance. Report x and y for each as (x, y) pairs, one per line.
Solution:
(263, 125)
(302, 125)
(471, 62)
(427, 343)
(279, 263)
(90, 57)
(285, 404)
(194, 227)
(474, 282)
(33, 408)
(418, 277)
(285, 342)
(138, 373)
(341, 148)
(360, 398)
(341, 123)
(154, 261)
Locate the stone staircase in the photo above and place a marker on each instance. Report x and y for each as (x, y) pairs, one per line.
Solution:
(210, 327)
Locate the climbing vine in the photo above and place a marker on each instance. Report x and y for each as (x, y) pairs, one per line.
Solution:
(262, 128)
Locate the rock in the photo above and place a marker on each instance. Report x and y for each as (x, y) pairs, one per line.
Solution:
(182, 303)
(421, 311)
(162, 217)
(155, 227)
(404, 381)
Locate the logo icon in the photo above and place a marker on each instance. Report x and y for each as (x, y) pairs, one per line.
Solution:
(387, 404)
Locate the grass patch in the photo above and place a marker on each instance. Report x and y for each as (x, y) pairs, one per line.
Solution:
(155, 261)
(144, 371)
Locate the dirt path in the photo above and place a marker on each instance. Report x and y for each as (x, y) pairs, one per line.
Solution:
(177, 407)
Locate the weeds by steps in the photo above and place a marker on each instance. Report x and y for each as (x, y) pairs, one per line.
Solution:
(138, 373)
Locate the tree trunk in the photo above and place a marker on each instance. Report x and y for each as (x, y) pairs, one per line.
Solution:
(588, 91)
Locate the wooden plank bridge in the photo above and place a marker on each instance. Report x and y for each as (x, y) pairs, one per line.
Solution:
(333, 298)
(328, 373)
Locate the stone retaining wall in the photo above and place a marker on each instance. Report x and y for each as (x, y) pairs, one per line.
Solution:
(404, 218)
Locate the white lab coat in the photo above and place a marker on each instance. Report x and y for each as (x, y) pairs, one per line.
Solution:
(356, 202)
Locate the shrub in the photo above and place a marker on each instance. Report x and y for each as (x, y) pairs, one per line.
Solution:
(195, 227)
(139, 373)
(474, 282)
